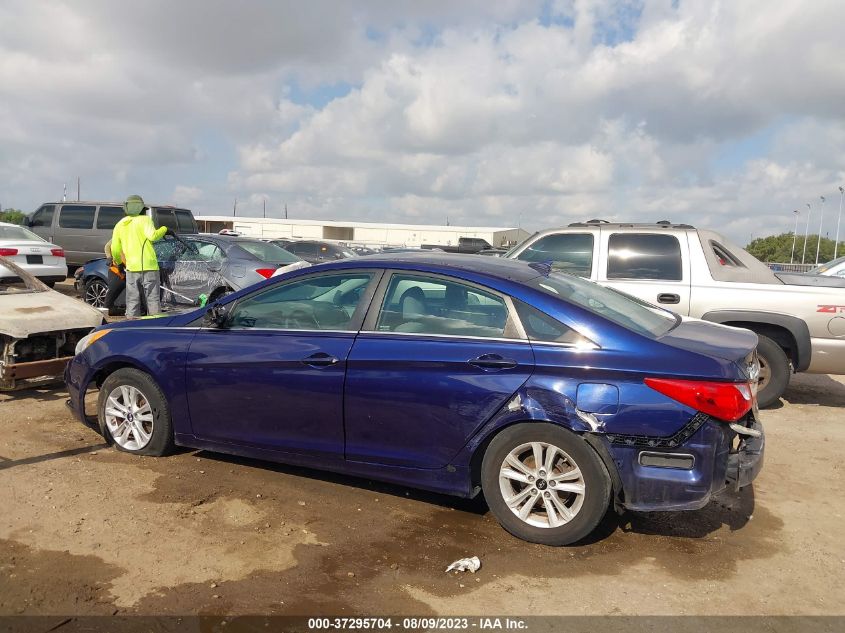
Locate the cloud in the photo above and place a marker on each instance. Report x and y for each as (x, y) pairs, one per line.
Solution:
(723, 114)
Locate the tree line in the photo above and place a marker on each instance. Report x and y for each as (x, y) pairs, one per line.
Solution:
(778, 248)
(13, 216)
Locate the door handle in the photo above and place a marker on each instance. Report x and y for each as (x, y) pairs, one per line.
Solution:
(492, 361)
(668, 297)
(320, 359)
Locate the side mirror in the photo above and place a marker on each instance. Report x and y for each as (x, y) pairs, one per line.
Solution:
(216, 316)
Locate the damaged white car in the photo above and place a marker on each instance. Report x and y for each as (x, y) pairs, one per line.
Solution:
(39, 329)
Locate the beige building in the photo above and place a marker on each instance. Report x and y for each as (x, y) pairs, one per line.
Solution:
(364, 233)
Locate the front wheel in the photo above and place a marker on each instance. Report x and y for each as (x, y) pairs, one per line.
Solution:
(135, 414)
(774, 371)
(545, 484)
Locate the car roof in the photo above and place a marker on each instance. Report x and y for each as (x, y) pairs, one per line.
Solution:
(111, 203)
(507, 269)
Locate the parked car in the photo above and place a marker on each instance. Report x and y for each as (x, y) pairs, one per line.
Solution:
(798, 318)
(38, 257)
(314, 251)
(211, 265)
(833, 268)
(39, 329)
(468, 245)
(458, 374)
(83, 228)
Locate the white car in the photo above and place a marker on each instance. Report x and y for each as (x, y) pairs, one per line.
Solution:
(834, 268)
(37, 256)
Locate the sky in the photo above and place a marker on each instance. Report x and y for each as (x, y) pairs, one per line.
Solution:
(727, 115)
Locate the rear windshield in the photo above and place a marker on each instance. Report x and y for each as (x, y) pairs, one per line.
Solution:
(267, 252)
(17, 233)
(185, 221)
(624, 310)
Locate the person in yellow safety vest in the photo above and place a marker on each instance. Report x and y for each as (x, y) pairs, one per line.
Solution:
(132, 242)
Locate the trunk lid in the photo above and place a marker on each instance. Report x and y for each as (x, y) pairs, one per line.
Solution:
(711, 339)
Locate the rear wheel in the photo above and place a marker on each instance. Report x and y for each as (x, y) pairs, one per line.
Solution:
(774, 371)
(135, 414)
(95, 292)
(544, 484)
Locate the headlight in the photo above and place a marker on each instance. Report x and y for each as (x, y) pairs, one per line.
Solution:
(86, 341)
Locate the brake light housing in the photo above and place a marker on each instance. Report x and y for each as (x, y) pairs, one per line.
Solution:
(265, 272)
(727, 401)
(8, 252)
(57, 252)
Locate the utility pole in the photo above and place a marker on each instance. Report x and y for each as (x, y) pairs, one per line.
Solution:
(794, 235)
(77, 189)
(64, 192)
(264, 207)
(806, 232)
(286, 210)
(819, 243)
(235, 207)
(838, 222)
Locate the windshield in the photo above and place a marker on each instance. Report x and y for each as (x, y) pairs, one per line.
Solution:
(268, 252)
(634, 314)
(825, 267)
(17, 233)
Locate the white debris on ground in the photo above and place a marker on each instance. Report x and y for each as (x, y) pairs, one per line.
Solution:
(465, 564)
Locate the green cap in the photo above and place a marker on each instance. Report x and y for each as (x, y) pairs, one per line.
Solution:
(133, 205)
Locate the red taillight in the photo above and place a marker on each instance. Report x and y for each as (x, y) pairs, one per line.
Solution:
(265, 272)
(8, 252)
(723, 400)
(57, 252)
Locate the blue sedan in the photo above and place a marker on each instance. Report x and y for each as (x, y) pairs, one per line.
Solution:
(554, 397)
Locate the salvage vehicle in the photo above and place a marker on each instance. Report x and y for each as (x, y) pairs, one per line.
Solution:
(799, 319)
(469, 245)
(552, 395)
(210, 265)
(38, 257)
(315, 251)
(39, 329)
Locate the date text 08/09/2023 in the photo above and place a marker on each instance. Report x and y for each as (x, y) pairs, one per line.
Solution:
(421, 623)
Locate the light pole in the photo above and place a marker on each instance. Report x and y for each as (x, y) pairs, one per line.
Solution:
(806, 231)
(838, 222)
(794, 235)
(819, 243)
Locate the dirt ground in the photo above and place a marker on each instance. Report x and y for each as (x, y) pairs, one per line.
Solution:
(85, 529)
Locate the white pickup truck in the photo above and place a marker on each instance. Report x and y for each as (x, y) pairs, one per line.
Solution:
(799, 319)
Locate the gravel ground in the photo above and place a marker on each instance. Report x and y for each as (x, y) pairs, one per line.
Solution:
(85, 529)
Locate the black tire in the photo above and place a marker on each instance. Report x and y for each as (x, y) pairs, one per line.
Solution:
(50, 284)
(596, 483)
(94, 292)
(773, 358)
(161, 440)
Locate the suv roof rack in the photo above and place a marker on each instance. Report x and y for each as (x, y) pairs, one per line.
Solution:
(662, 224)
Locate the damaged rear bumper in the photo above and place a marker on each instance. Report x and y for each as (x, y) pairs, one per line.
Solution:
(747, 461)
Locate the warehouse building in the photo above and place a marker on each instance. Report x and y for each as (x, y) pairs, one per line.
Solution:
(364, 233)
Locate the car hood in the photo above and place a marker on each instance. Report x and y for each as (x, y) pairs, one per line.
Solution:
(711, 339)
(25, 313)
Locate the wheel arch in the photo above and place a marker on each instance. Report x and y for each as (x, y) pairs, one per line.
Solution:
(592, 440)
(789, 332)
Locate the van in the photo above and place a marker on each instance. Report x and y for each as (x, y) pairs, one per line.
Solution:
(83, 228)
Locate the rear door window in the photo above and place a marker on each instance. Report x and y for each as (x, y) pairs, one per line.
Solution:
(109, 216)
(165, 217)
(644, 256)
(431, 305)
(567, 252)
(185, 221)
(43, 217)
(77, 216)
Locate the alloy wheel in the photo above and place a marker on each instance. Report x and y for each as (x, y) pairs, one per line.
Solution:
(541, 484)
(129, 417)
(95, 294)
(764, 375)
